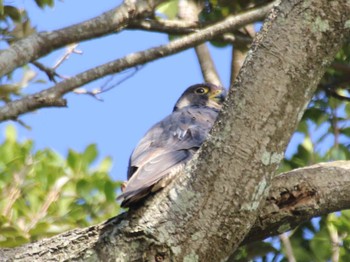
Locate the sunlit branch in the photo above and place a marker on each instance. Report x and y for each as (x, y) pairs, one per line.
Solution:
(52, 97)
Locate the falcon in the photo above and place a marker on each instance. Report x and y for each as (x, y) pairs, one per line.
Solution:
(172, 142)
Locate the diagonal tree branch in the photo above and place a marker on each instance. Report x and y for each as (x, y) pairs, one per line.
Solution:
(40, 44)
(52, 97)
(206, 212)
(175, 27)
(295, 197)
(299, 195)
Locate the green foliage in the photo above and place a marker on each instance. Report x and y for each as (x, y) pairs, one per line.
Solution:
(14, 25)
(44, 3)
(43, 194)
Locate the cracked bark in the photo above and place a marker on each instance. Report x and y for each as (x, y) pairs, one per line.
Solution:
(206, 213)
(320, 189)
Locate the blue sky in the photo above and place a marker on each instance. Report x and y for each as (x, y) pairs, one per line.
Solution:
(117, 123)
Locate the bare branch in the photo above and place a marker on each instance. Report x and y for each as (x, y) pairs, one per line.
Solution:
(173, 27)
(50, 72)
(239, 52)
(238, 57)
(336, 241)
(71, 49)
(295, 197)
(207, 65)
(287, 246)
(206, 212)
(53, 95)
(345, 68)
(180, 27)
(188, 11)
(40, 44)
(107, 86)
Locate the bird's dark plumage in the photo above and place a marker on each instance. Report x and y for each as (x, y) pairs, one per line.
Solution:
(169, 144)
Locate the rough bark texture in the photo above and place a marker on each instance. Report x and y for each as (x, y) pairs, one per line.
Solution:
(207, 211)
(294, 197)
(301, 194)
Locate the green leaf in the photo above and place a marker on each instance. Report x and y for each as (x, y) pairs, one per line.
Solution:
(83, 187)
(105, 165)
(12, 12)
(9, 231)
(315, 114)
(39, 229)
(321, 245)
(10, 133)
(73, 160)
(43, 3)
(345, 131)
(109, 191)
(90, 153)
(169, 8)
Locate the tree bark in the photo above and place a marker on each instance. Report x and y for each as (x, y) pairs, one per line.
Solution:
(208, 210)
(295, 197)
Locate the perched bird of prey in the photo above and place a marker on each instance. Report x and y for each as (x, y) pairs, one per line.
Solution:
(169, 144)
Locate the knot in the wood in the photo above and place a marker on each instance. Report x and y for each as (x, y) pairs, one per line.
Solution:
(157, 254)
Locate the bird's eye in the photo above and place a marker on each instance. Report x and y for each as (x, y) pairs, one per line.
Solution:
(201, 90)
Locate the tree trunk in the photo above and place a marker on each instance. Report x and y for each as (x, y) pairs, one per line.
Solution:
(206, 213)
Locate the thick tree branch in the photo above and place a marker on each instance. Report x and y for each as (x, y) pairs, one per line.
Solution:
(295, 197)
(218, 198)
(299, 195)
(40, 44)
(53, 95)
(206, 212)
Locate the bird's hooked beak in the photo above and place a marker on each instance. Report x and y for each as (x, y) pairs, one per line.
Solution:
(218, 96)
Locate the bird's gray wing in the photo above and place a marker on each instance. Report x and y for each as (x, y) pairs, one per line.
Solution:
(166, 146)
(147, 176)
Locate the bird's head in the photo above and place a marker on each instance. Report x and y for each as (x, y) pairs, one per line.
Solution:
(202, 95)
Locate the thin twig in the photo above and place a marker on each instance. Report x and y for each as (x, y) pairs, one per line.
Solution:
(50, 72)
(173, 27)
(40, 44)
(180, 27)
(188, 11)
(50, 198)
(288, 247)
(335, 239)
(106, 86)
(14, 191)
(71, 49)
(52, 97)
